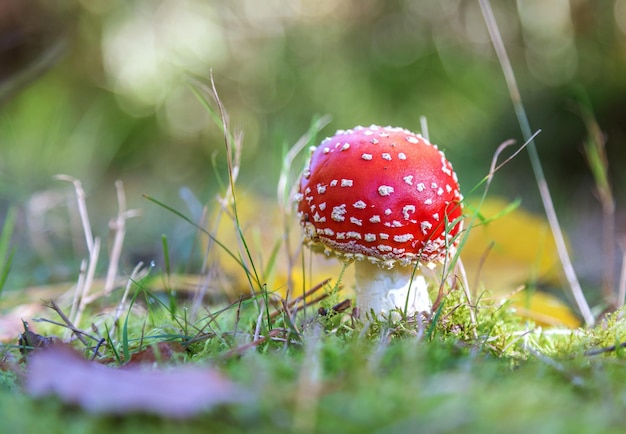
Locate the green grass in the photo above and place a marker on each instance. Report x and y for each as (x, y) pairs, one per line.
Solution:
(334, 377)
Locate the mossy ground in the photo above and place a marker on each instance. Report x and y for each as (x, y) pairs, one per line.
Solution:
(335, 374)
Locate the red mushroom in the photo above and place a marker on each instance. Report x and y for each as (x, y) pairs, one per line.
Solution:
(387, 199)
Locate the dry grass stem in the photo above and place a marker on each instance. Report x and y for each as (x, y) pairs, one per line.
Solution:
(621, 289)
(78, 289)
(424, 127)
(118, 225)
(544, 191)
(82, 208)
(466, 290)
(134, 276)
(84, 299)
(595, 153)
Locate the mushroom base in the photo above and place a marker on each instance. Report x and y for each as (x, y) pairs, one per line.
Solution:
(383, 290)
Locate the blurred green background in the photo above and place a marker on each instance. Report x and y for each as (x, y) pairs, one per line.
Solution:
(99, 89)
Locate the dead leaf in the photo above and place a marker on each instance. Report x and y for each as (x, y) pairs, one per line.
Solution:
(178, 392)
(161, 352)
(29, 340)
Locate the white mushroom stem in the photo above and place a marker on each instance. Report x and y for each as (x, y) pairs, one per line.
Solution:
(383, 290)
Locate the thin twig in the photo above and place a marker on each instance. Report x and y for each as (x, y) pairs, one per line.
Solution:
(544, 191)
(609, 349)
(291, 303)
(256, 341)
(77, 332)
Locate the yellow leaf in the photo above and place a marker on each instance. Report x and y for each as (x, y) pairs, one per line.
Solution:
(544, 309)
(510, 250)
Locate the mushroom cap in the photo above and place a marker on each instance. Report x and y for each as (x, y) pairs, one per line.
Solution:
(380, 193)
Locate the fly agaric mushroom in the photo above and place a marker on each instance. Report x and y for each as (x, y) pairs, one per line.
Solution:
(387, 199)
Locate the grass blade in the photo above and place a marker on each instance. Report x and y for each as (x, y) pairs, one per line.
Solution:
(207, 233)
(171, 294)
(6, 257)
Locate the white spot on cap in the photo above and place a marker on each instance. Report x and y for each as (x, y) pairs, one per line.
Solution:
(334, 183)
(354, 235)
(388, 211)
(374, 141)
(368, 132)
(370, 237)
(298, 197)
(428, 202)
(326, 150)
(384, 135)
(366, 156)
(341, 235)
(345, 146)
(402, 156)
(448, 188)
(338, 213)
(383, 236)
(356, 221)
(436, 217)
(316, 217)
(359, 204)
(321, 189)
(408, 179)
(346, 182)
(447, 171)
(425, 226)
(329, 232)
(403, 238)
(396, 224)
(322, 206)
(421, 186)
(406, 210)
(375, 219)
(433, 185)
(386, 156)
(412, 139)
(385, 190)
(440, 191)
(384, 248)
